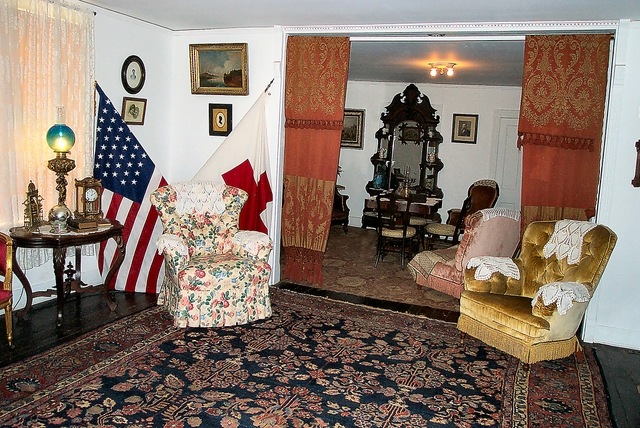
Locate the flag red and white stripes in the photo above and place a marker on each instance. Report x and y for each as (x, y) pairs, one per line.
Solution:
(128, 177)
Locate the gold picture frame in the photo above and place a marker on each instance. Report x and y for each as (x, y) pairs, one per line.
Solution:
(219, 69)
(134, 110)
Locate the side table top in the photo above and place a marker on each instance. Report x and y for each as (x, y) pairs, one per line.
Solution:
(44, 238)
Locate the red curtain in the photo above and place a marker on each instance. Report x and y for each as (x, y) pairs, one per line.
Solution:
(315, 89)
(560, 128)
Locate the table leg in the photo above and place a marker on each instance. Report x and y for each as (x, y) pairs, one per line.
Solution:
(17, 270)
(112, 271)
(59, 256)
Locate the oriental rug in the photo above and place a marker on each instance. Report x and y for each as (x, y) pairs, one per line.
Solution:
(314, 363)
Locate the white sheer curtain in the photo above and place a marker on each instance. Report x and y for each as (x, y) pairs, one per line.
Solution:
(46, 60)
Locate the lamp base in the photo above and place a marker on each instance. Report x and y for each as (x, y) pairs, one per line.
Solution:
(58, 217)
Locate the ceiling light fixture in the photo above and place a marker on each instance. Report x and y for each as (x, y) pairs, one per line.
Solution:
(441, 68)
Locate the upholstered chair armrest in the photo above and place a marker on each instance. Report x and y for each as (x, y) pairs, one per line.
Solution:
(174, 250)
(252, 244)
(564, 318)
(506, 282)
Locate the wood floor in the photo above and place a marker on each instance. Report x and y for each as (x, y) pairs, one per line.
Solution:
(37, 332)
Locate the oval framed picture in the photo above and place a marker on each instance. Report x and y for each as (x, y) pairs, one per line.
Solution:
(133, 74)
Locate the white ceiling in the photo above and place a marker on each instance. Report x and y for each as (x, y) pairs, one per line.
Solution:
(480, 61)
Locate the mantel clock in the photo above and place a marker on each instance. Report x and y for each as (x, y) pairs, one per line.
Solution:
(88, 199)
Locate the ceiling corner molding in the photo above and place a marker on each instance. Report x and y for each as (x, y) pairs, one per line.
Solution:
(442, 29)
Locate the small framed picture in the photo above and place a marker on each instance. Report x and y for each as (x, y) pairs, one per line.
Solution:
(219, 69)
(353, 129)
(220, 122)
(133, 74)
(133, 110)
(465, 128)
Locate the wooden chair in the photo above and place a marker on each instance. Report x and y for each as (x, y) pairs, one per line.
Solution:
(394, 231)
(340, 212)
(6, 299)
(481, 194)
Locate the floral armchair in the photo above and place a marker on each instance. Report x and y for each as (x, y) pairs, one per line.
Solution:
(532, 306)
(215, 274)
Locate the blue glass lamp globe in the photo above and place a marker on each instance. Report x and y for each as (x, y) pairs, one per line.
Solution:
(60, 138)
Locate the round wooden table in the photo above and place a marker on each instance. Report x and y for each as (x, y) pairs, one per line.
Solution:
(23, 238)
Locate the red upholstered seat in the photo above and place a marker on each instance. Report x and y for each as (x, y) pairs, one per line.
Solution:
(6, 245)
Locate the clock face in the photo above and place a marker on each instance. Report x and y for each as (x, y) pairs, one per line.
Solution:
(91, 195)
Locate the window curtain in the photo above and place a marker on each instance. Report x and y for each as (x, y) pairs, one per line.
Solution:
(46, 60)
(315, 89)
(560, 127)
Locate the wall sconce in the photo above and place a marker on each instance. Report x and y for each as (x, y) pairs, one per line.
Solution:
(441, 68)
(61, 139)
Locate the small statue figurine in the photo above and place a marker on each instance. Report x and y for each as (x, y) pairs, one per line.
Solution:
(33, 217)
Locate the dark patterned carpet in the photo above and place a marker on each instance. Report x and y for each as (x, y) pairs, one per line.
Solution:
(315, 363)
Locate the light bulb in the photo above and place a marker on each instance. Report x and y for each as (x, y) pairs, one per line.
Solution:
(433, 72)
(450, 71)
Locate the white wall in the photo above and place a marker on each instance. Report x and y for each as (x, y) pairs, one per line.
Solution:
(463, 163)
(613, 316)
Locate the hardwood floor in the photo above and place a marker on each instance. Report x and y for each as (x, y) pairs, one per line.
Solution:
(37, 333)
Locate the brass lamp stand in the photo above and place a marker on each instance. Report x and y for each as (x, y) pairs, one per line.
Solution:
(60, 214)
(61, 139)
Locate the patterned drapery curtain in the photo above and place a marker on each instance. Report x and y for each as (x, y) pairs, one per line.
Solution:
(47, 60)
(315, 89)
(560, 128)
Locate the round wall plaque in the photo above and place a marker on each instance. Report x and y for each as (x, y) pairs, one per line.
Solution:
(133, 74)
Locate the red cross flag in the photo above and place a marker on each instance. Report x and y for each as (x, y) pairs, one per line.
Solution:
(242, 161)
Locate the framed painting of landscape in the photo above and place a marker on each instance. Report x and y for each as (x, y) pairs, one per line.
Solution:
(219, 69)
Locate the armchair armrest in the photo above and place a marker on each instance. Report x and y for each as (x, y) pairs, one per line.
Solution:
(497, 283)
(562, 325)
(174, 250)
(252, 244)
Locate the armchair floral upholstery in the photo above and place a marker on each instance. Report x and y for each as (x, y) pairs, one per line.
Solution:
(520, 313)
(215, 274)
(490, 232)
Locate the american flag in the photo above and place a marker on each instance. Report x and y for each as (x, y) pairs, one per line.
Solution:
(128, 177)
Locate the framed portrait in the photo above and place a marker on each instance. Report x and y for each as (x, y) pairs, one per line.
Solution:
(219, 69)
(353, 129)
(220, 122)
(134, 110)
(133, 74)
(465, 128)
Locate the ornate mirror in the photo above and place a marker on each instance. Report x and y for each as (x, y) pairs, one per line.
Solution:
(408, 146)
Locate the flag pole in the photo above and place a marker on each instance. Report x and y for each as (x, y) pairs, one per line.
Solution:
(269, 85)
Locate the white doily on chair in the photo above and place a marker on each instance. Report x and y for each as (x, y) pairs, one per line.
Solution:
(566, 240)
(488, 265)
(200, 197)
(563, 294)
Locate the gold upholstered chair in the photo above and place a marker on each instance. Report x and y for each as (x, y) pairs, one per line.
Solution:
(481, 194)
(531, 306)
(489, 232)
(6, 296)
(215, 274)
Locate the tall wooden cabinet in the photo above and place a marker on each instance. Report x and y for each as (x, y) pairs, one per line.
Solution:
(408, 144)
